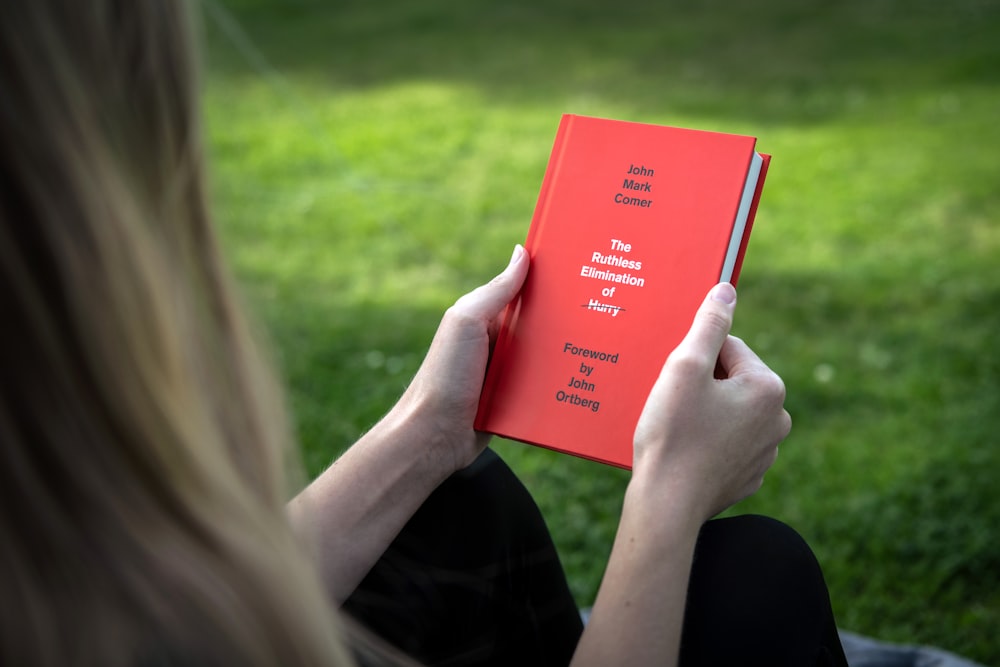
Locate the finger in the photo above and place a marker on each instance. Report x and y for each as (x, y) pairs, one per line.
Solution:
(736, 358)
(711, 325)
(488, 300)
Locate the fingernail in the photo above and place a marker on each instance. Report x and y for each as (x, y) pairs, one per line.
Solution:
(725, 293)
(518, 253)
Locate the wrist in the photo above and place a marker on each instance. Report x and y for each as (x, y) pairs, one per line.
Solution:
(664, 503)
(425, 444)
(435, 425)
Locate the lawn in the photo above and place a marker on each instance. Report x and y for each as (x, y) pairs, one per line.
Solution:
(373, 161)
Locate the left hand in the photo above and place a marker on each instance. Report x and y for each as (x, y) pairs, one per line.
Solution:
(444, 394)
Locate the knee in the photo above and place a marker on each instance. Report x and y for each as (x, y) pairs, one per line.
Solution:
(754, 541)
(756, 583)
(746, 562)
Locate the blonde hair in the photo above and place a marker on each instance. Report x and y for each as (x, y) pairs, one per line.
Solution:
(142, 441)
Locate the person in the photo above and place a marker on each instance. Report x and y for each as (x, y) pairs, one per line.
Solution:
(145, 451)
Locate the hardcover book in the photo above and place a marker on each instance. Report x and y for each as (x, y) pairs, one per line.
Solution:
(634, 224)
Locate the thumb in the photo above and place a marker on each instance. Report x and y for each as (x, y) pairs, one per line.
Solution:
(488, 300)
(711, 325)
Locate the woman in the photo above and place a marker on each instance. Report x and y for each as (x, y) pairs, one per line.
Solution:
(144, 446)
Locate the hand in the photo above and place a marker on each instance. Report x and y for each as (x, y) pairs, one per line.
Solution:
(713, 420)
(445, 391)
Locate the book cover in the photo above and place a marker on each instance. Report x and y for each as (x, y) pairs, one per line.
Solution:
(634, 224)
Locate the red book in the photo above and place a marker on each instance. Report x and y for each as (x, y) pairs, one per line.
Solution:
(634, 224)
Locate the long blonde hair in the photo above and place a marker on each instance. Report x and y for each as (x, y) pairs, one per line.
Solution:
(142, 442)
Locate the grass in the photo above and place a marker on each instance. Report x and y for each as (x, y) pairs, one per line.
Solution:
(372, 162)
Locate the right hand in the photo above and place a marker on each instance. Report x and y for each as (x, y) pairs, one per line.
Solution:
(712, 422)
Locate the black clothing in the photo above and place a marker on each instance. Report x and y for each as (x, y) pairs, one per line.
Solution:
(474, 579)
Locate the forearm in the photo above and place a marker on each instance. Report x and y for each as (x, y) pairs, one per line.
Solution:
(352, 512)
(639, 611)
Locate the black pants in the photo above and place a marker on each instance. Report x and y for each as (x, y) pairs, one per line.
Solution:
(474, 579)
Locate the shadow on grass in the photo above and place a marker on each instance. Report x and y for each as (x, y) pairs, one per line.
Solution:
(781, 61)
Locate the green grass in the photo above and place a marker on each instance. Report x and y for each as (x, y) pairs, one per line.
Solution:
(372, 162)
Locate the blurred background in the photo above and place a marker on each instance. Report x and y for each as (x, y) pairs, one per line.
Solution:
(372, 162)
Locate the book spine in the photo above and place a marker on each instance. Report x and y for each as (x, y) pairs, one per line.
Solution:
(508, 319)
